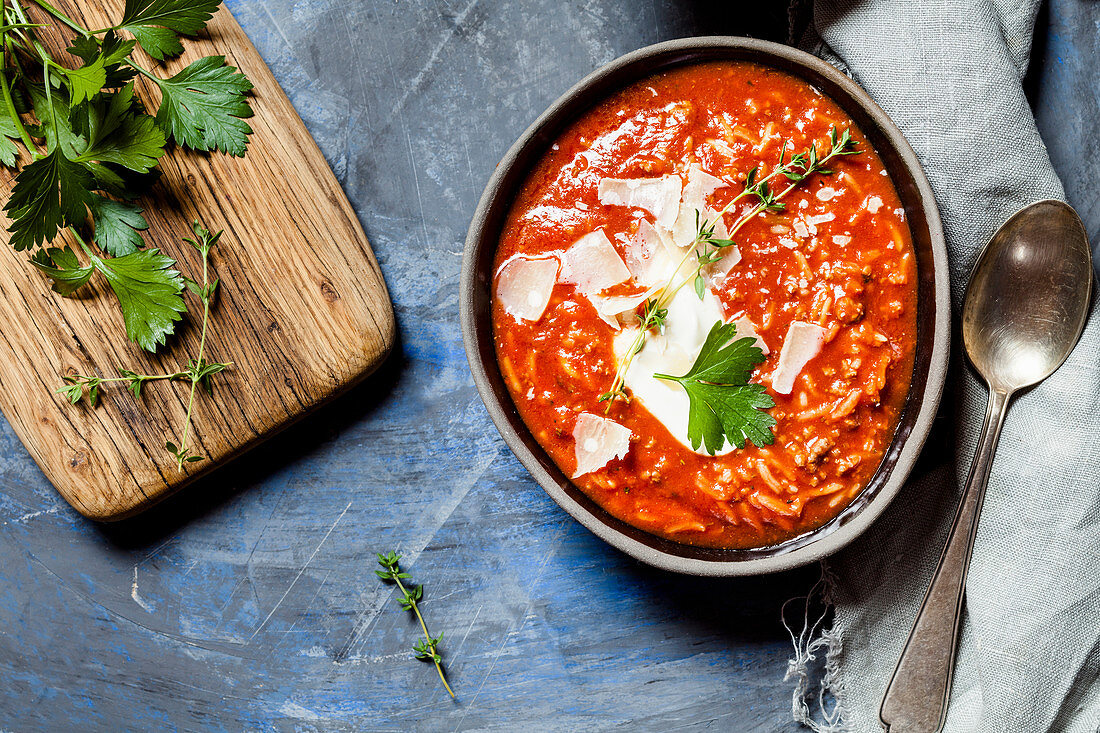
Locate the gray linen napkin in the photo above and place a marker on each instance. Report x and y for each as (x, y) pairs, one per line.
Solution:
(949, 73)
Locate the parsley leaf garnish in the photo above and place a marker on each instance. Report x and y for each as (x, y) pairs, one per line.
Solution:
(85, 82)
(8, 133)
(117, 224)
(158, 24)
(116, 133)
(204, 106)
(148, 290)
(722, 405)
(49, 193)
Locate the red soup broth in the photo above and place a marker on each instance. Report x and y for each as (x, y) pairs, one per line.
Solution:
(840, 256)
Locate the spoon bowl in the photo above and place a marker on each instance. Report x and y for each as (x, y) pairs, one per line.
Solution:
(1024, 310)
(1028, 296)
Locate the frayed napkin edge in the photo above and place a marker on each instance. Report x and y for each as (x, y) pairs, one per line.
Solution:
(814, 711)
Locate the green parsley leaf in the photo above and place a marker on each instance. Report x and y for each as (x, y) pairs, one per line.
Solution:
(111, 52)
(722, 405)
(157, 24)
(203, 106)
(49, 193)
(53, 112)
(62, 266)
(117, 224)
(85, 82)
(116, 132)
(8, 133)
(148, 292)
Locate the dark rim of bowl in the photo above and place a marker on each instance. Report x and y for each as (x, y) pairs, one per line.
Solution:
(933, 317)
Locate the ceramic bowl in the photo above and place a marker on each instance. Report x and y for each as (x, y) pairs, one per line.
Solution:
(932, 318)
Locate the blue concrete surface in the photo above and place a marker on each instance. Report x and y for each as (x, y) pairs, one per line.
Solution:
(249, 602)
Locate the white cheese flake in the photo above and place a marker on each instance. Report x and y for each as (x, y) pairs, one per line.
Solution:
(592, 264)
(598, 441)
(700, 185)
(826, 193)
(841, 239)
(647, 255)
(803, 342)
(730, 257)
(611, 309)
(524, 286)
(659, 196)
(746, 329)
(874, 203)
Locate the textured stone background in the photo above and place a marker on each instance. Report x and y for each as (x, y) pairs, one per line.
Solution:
(250, 601)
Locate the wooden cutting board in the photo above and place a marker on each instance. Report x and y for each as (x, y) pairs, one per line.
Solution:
(302, 310)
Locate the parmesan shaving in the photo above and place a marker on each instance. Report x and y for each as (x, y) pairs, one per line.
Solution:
(598, 441)
(730, 257)
(611, 308)
(803, 342)
(747, 329)
(524, 286)
(647, 255)
(592, 264)
(699, 186)
(658, 196)
(688, 322)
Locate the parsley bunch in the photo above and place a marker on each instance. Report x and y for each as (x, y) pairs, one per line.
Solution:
(91, 147)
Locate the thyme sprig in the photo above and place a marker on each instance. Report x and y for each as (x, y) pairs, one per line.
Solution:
(428, 648)
(707, 248)
(199, 371)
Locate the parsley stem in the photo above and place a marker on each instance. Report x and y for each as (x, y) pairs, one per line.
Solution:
(202, 346)
(60, 16)
(9, 104)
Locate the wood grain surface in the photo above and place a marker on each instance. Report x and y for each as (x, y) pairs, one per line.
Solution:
(303, 311)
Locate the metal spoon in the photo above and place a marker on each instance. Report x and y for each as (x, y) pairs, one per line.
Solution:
(1024, 310)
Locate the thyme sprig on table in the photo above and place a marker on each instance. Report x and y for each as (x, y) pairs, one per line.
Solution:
(198, 371)
(428, 648)
(707, 248)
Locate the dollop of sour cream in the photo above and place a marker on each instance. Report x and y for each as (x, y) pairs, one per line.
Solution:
(673, 352)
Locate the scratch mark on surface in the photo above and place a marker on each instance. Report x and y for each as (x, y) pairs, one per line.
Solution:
(32, 515)
(299, 575)
(156, 551)
(470, 628)
(278, 27)
(137, 597)
(513, 629)
(419, 195)
(415, 83)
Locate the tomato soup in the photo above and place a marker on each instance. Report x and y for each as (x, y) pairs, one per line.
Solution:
(617, 260)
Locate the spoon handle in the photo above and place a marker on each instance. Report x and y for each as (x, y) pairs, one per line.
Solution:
(916, 698)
